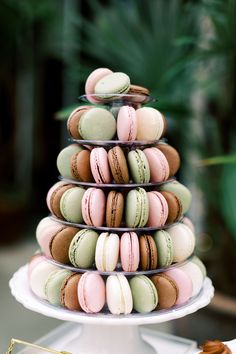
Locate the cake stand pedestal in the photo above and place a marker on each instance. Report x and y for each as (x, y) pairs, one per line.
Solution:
(105, 333)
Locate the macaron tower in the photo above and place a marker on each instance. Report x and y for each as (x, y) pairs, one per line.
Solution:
(117, 239)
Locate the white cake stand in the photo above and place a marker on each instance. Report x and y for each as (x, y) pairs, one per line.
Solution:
(106, 333)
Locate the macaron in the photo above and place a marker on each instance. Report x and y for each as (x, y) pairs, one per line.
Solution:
(100, 166)
(73, 121)
(183, 241)
(93, 207)
(137, 208)
(69, 297)
(37, 258)
(140, 93)
(186, 221)
(45, 231)
(64, 160)
(107, 252)
(158, 164)
(167, 290)
(118, 295)
(118, 165)
(165, 248)
(92, 80)
(38, 277)
(127, 124)
(97, 124)
(195, 275)
(53, 285)
(150, 124)
(91, 292)
(195, 259)
(129, 251)
(148, 252)
(184, 284)
(139, 166)
(115, 83)
(114, 208)
(54, 197)
(145, 297)
(80, 166)
(172, 156)
(70, 204)
(181, 192)
(175, 210)
(82, 248)
(158, 209)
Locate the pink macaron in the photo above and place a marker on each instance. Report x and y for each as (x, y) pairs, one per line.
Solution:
(91, 81)
(91, 292)
(158, 209)
(93, 207)
(129, 251)
(126, 124)
(159, 167)
(100, 166)
(183, 282)
(34, 261)
(46, 230)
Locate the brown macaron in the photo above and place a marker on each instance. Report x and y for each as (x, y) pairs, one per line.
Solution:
(172, 157)
(56, 197)
(60, 243)
(148, 252)
(69, 292)
(80, 166)
(167, 290)
(175, 209)
(118, 165)
(73, 121)
(114, 209)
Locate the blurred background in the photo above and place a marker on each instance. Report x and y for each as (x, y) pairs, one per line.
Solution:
(184, 51)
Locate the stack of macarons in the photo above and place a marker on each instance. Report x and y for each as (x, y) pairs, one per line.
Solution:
(118, 294)
(152, 164)
(107, 252)
(136, 208)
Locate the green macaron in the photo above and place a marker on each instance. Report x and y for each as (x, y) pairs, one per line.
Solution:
(165, 248)
(64, 159)
(137, 208)
(70, 204)
(144, 293)
(82, 248)
(139, 166)
(112, 84)
(53, 285)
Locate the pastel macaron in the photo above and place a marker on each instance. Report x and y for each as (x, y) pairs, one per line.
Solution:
(91, 292)
(137, 208)
(148, 252)
(195, 274)
(175, 210)
(97, 124)
(118, 295)
(126, 124)
(139, 166)
(73, 121)
(38, 276)
(107, 252)
(111, 85)
(53, 285)
(167, 290)
(54, 197)
(114, 208)
(93, 207)
(71, 204)
(158, 164)
(145, 297)
(118, 165)
(150, 124)
(129, 251)
(158, 209)
(92, 80)
(184, 284)
(82, 248)
(165, 248)
(183, 241)
(171, 155)
(68, 296)
(64, 160)
(100, 166)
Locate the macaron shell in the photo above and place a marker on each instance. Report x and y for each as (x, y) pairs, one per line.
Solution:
(90, 284)
(53, 285)
(118, 165)
(129, 251)
(159, 167)
(114, 209)
(69, 296)
(91, 81)
(82, 249)
(167, 290)
(172, 157)
(196, 276)
(64, 160)
(93, 207)
(150, 124)
(183, 282)
(183, 241)
(99, 165)
(70, 204)
(114, 83)
(126, 124)
(158, 209)
(139, 166)
(181, 192)
(118, 295)
(145, 297)
(54, 197)
(60, 244)
(175, 209)
(80, 166)
(165, 248)
(107, 252)
(97, 124)
(137, 208)
(148, 252)
(38, 278)
(73, 121)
